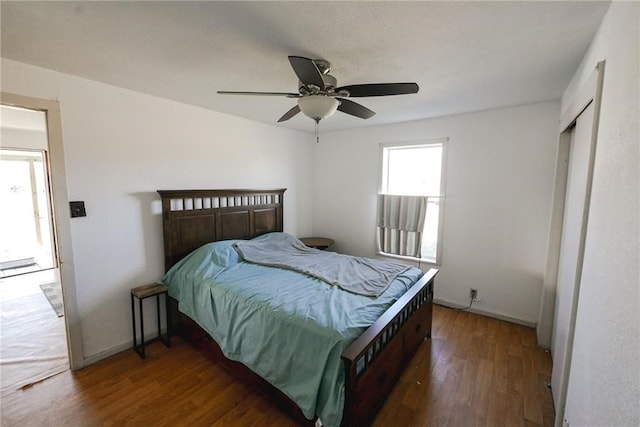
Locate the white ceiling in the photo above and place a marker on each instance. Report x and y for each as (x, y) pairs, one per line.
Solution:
(465, 56)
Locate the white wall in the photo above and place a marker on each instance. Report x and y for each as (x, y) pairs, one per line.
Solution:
(120, 147)
(604, 382)
(500, 171)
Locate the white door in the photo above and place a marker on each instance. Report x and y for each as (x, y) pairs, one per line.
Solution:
(568, 275)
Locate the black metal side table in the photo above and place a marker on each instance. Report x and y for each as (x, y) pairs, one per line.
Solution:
(141, 293)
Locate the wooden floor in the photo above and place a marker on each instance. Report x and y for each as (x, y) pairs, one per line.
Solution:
(475, 371)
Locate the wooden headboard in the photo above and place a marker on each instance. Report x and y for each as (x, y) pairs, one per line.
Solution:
(191, 218)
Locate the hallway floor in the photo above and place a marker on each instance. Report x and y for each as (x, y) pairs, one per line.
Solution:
(33, 344)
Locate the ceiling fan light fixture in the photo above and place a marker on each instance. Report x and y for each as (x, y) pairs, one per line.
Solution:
(318, 107)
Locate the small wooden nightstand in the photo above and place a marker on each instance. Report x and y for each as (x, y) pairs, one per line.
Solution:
(141, 293)
(317, 242)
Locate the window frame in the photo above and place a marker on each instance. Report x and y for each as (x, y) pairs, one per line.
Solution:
(383, 176)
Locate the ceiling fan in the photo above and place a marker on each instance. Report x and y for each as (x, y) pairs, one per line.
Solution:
(319, 97)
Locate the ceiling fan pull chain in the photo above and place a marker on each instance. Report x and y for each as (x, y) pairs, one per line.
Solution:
(317, 135)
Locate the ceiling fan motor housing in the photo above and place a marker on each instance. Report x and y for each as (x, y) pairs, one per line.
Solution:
(330, 83)
(323, 66)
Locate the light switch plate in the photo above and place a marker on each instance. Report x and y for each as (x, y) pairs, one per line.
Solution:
(77, 209)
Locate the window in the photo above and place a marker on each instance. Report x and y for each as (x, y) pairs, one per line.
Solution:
(417, 169)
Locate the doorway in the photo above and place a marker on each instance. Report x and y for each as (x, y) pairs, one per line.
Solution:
(60, 209)
(34, 340)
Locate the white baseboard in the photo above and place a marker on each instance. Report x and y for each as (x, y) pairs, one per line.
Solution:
(487, 313)
(127, 345)
(107, 353)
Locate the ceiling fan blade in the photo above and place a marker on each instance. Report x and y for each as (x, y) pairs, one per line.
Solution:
(306, 71)
(380, 89)
(292, 112)
(287, 94)
(355, 109)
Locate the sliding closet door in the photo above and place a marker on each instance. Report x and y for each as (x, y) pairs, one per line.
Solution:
(569, 265)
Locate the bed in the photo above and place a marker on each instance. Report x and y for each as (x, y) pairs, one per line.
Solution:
(366, 363)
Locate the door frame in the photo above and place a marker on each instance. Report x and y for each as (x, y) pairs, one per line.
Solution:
(61, 219)
(590, 92)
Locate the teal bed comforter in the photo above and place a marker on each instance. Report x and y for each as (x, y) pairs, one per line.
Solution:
(287, 327)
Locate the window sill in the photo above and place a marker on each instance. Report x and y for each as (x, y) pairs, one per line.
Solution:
(426, 261)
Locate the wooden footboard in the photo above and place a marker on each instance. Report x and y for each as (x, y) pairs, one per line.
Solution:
(374, 362)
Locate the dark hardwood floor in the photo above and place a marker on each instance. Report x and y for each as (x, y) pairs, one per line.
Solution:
(475, 371)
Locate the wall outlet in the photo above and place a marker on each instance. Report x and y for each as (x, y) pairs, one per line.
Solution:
(473, 294)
